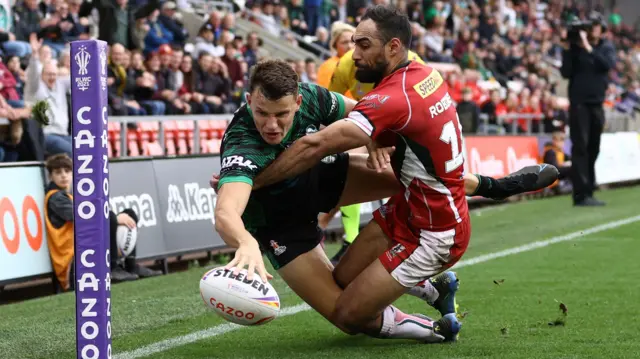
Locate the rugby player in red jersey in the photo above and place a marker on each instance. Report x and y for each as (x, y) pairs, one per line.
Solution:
(424, 228)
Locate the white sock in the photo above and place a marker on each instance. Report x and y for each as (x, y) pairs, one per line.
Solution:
(398, 325)
(425, 291)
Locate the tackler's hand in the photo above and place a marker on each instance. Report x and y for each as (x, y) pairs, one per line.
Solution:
(215, 179)
(379, 157)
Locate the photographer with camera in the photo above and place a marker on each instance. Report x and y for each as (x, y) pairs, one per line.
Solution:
(586, 62)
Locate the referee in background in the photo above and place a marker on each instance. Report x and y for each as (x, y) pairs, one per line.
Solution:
(586, 62)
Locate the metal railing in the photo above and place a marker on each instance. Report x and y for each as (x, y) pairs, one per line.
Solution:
(324, 53)
(209, 6)
(499, 127)
(616, 121)
(123, 120)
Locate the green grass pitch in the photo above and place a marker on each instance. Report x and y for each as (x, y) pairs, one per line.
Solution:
(509, 302)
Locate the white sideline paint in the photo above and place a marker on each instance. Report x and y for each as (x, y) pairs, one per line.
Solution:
(540, 244)
(225, 328)
(194, 337)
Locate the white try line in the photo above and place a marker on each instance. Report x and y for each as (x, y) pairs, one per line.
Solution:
(225, 328)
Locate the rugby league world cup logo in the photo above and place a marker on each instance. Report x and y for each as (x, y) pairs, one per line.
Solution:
(82, 60)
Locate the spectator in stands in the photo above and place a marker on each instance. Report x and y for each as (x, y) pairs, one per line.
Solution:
(173, 104)
(121, 86)
(310, 69)
(555, 118)
(12, 47)
(46, 85)
(493, 108)
(158, 34)
(215, 20)
(253, 51)
(146, 86)
(139, 33)
(229, 22)
(313, 14)
(299, 68)
(8, 90)
(11, 130)
(213, 81)
(20, 76)
(27, 20)
(117, 20)
(204, 42)
(188, 92)
(267, 19)
(169, 19)
(468, 112)
(59, 216)
(233, 65)
(322, 38)
(64, 63)
(296, 17)
(80, 23)
(341, 43)
(59, 29)
(554, 154)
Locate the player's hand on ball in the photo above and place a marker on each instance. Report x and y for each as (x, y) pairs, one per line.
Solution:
(215, 179)
(248, 254)
(379, 157)
(126, 220)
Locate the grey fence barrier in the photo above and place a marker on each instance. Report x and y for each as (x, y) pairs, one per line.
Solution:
(173, 201)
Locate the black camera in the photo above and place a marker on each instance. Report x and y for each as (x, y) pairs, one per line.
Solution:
(574, 28)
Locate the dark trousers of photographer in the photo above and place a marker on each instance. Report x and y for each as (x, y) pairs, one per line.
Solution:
(586, 122)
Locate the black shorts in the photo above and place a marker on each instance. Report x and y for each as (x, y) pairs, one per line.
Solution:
(284, 244)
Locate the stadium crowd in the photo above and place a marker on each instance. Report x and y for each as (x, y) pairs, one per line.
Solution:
(499, 62)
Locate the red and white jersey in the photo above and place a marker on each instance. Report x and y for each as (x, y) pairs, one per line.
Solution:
(412, 110)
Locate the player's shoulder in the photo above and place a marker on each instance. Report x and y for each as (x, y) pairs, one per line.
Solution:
(307, 89)
(415, 57)
(387, 99)
(241, 129)
(423, 79)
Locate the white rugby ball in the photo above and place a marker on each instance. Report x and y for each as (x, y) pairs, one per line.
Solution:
(126, 239)
(237, 299)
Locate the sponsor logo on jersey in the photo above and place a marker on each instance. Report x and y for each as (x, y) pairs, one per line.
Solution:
(395, 251)
(277, 249)
(237, 161)
(429, 85)
(374, 100)
(381, 98)
(441, 106)
(329, 159)
(334, 103)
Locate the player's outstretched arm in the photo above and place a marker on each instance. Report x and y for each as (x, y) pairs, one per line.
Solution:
(306, 152)
(232, 200)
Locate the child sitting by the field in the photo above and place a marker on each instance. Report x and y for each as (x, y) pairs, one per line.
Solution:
(59, 221)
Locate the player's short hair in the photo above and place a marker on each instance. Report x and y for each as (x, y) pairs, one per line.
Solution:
(390, 22)
(59, 161)
(275, 78)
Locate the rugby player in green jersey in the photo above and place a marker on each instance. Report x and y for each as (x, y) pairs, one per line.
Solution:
(281, 220)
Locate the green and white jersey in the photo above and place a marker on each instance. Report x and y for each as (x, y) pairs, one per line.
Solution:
(244, 154)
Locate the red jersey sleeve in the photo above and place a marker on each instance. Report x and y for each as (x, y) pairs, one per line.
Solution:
(377, 112)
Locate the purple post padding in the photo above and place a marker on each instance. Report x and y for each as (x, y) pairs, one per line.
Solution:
(91, 199)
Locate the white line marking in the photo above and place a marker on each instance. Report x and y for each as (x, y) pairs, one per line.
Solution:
(225, 328)
(540, 244)
(194, 337)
